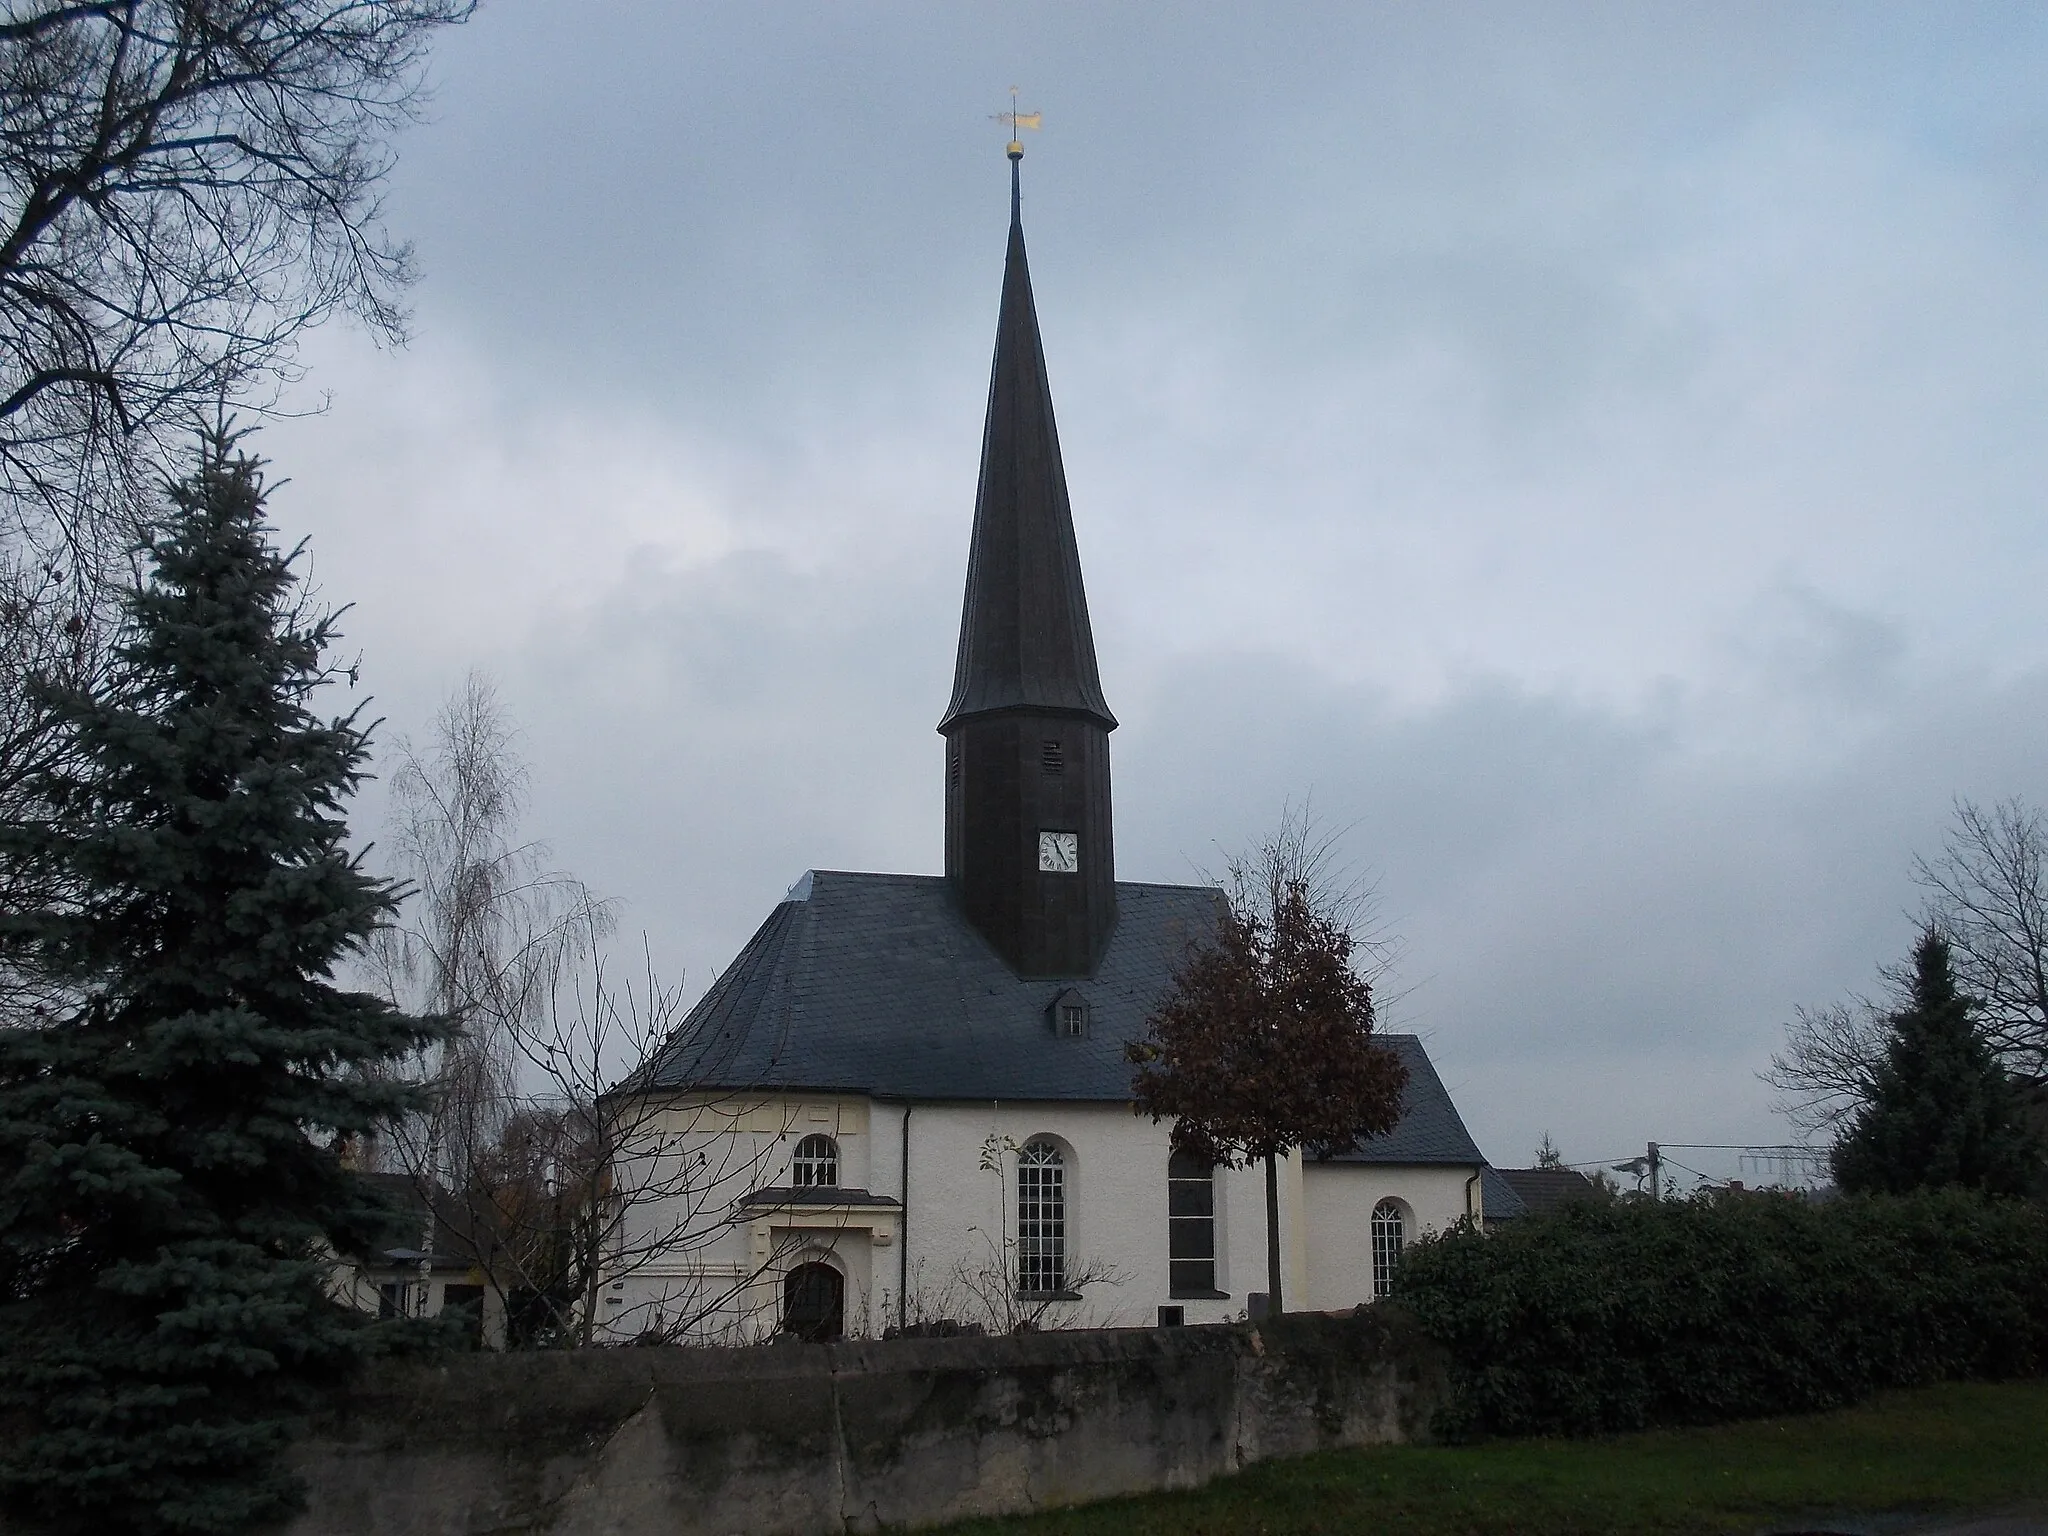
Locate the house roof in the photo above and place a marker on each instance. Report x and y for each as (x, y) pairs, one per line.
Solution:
(875, 984)
(451, 1247)
(1498, 1196)
(1430, 1130)
(1544, 1189)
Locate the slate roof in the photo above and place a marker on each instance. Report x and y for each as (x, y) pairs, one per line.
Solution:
(1498, 1196)
(1430, 1130)
(1024, 636)
(875, 984)
(1544, 1189)
(777, 1196)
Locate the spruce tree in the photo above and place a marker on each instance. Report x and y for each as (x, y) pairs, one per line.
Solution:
(172, 1189)
(1939, 1109)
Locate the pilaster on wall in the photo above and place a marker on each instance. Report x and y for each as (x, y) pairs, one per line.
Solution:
(1293, 1232)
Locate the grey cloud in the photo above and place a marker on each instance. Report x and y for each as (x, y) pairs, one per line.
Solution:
(1598, 898)
(1595, 450)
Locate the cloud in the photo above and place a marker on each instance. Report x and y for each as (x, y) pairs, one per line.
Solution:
(1609, 902)
(1598, 454)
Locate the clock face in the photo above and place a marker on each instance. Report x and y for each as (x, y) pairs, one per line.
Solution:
(1059, 853)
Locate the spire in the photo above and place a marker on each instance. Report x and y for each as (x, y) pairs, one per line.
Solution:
(1025, 643)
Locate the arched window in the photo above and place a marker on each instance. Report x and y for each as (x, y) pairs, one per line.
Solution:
(814, 1302)
(816, 1163)
(1389, 1231)
(1190, 1226)
(1041, 1219)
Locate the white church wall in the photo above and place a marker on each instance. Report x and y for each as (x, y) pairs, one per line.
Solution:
(961, 1228)
(1340, 1198)
(962, 1217)
(1241, 1234)
(960, 1232)
(689, 1166)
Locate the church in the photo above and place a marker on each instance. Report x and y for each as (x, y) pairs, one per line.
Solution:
(906, 1104)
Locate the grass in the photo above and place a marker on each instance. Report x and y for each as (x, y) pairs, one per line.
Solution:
(1932, 1450)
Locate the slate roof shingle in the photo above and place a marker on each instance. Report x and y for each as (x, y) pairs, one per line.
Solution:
(1025, 642)
(1498, 1196)
(875, 984)
(1430, 1130)
(1544, 1189)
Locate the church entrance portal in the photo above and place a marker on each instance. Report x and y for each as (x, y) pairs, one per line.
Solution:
(814, 1303)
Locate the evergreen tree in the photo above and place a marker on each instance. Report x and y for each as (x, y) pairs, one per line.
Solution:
(1938, 1109)
(171, 1184)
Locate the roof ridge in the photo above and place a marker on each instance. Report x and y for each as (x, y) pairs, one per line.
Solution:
(897, 874)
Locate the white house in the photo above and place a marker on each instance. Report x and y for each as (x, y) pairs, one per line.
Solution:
(907, 1099)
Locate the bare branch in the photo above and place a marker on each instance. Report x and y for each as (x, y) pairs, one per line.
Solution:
(185, 187)
(1987, 891)
(1825, 1070)
(553, 1179)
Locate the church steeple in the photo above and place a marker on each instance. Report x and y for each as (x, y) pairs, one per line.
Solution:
(1028, 845)
(1024, 636)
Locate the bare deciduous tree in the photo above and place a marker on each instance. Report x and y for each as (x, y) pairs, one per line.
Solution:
(1823, 1075)
(550, 1154)
(631, 1181)
(44, 644)
(483, 938)
(1987, 895)
(1987, 892)
(185, 187)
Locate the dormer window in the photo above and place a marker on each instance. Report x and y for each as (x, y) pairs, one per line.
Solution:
(1069, 1014)
(816, 1164)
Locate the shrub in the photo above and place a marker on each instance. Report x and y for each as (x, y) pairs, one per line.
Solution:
(1623, 1315)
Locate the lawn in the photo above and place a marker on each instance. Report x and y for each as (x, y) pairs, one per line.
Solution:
(1935, 1449)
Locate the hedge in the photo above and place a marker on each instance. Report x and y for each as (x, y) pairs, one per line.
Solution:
(1631, 1313)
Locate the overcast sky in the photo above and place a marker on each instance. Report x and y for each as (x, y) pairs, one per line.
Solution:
(1596, 450)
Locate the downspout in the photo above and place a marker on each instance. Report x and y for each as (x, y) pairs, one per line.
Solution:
(1472, 1212)
(903, 1229)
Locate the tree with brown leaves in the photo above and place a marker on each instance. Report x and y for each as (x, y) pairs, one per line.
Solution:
(1263, 1043)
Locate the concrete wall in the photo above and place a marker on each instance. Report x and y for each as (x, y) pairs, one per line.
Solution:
(794, 1438)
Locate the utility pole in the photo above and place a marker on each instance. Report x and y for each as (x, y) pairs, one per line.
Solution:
(1656, 1164)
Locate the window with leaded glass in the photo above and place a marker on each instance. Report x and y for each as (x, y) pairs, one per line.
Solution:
(816, 1163)
(1191, 1226)
(1389, 1231)
(1041, 1219)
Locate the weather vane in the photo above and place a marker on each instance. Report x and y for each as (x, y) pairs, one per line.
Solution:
(1018, 121)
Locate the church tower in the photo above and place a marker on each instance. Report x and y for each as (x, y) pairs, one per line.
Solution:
(1029, 854)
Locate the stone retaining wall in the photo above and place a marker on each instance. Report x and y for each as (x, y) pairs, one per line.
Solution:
(829, 1438)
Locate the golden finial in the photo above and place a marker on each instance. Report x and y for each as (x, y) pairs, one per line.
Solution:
(1018, 121)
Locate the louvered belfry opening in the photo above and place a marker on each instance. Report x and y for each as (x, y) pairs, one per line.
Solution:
(1029, 849)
